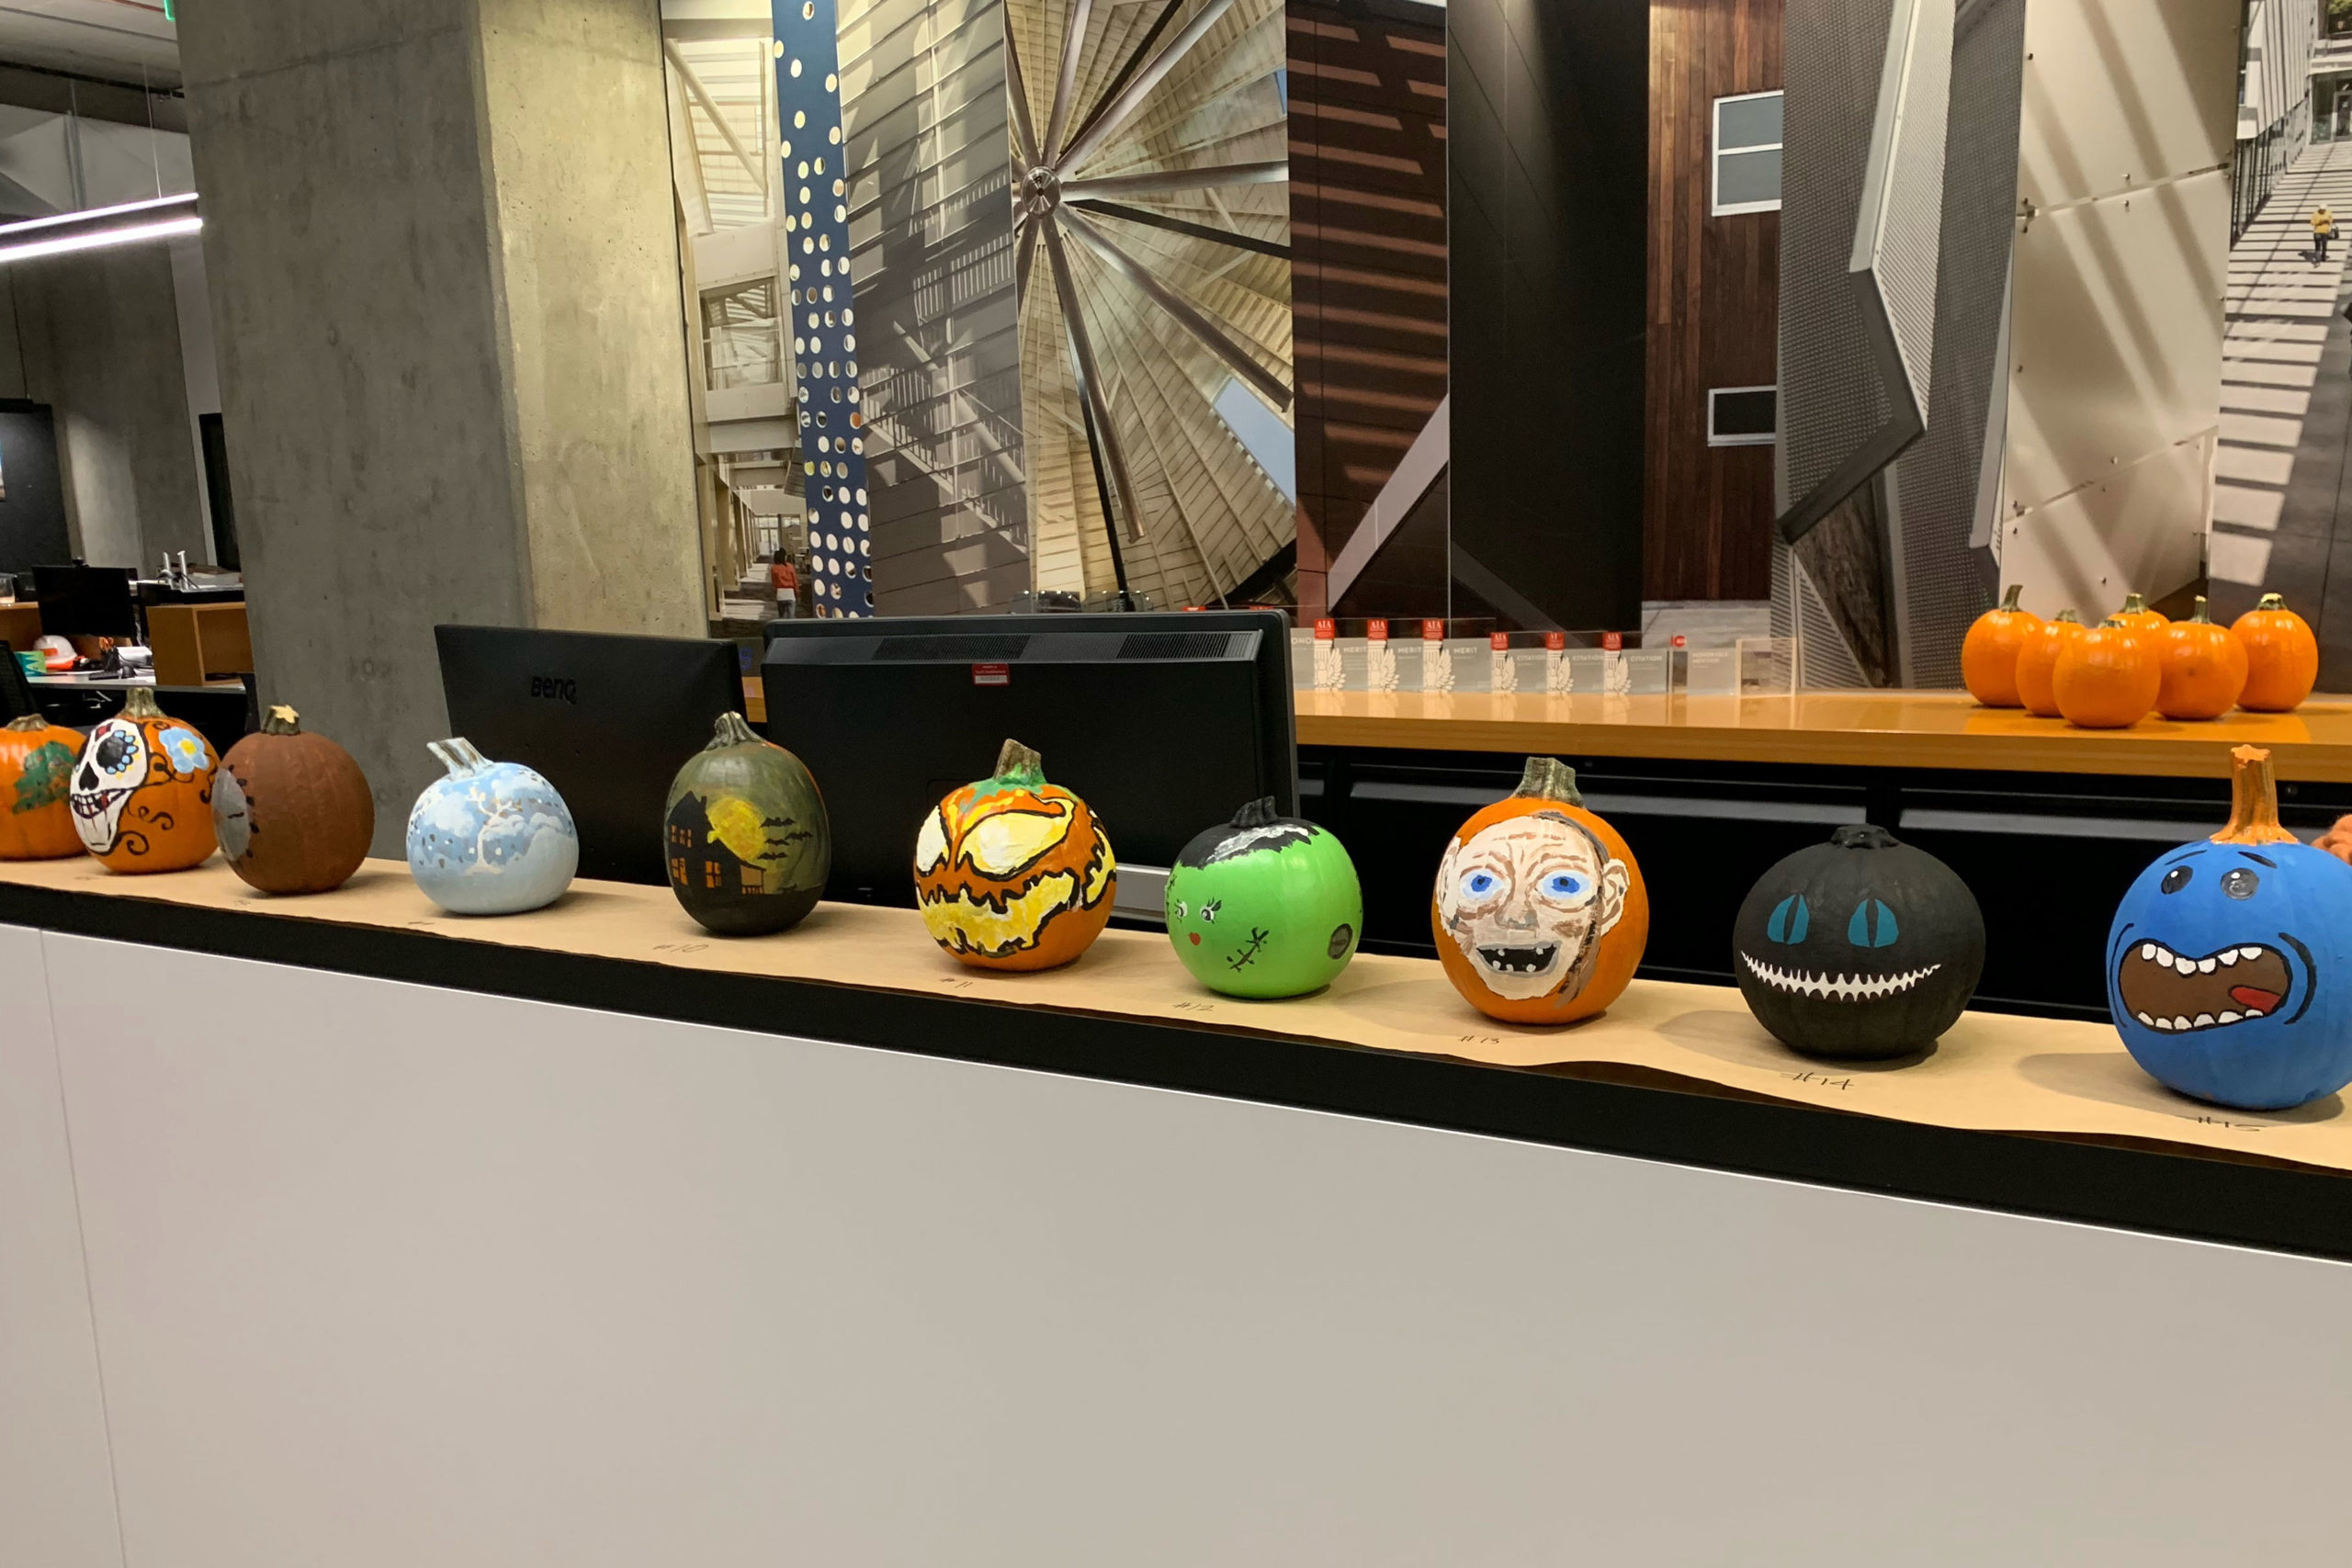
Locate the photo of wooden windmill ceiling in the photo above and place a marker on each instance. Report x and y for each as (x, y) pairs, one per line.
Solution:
(1149, 153)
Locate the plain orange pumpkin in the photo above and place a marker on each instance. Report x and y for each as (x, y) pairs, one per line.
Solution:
(2281, 657)
(1538, 909)
(2201, 667)
(2038, 662)
(2136, 614)
(36, 765)
(1988, 656)
(2105, 679)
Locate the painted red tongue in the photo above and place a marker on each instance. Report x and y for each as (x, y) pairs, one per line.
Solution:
(2254, 999)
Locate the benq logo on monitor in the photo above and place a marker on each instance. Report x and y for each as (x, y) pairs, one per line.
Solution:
(556, 689)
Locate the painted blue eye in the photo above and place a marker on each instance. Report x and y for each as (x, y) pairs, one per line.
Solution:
(1479, 884)
(1564, 884)
(1872, 925)
(1790, 918)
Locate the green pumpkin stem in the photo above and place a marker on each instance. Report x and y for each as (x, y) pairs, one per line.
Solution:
(2198, 616)
(2009, 600)
(731, 730)
(2254, 801)
(1548, 778)
(1019, 764)
(282, 720)
(2068, 617)
(29, 722)
(2272, 602)
(2134, 604)
(1258, 813)
(140, 704)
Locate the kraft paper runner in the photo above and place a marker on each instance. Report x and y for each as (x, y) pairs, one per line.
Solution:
(1991, 1072)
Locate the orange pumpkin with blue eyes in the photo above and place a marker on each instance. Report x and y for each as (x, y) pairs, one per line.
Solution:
(1862, 947)
(1013, 872)
(1538, 911)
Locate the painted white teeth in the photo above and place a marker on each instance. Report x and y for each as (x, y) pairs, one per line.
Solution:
(2250, 953)
(2184, 965)
(1838, 987)
(2230, 956)
(2147, 950)
(2160, 1024)
(2181, 1023)
(2204, 1021)
(2229, 1018)
(2146, 1020)
(2205, 965)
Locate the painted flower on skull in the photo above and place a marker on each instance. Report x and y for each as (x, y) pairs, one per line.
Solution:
(185, 750)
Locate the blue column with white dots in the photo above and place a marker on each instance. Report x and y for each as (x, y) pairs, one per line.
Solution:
(823, 330)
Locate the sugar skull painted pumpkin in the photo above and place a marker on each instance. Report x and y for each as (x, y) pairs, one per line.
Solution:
(1538, 911)
(745, 834)
(2228, 961)
(490, 839)
(143, 791)
(35, 766)
(1264, 905)
(1862, 947)
(292, 809)
(1013, 872)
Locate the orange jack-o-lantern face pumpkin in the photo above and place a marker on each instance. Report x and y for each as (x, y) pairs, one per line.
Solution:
(1013, 872)
(1538, 911)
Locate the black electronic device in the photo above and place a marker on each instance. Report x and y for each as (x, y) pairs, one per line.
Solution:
(1163, 724)
(15, 691)
(606, 719)
(87, 601)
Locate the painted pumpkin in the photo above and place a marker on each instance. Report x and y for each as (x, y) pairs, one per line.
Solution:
(2201, 668)
(2038, 663)
(2229, 961)
(1538, 911)
(1264, 905)
(2105, 679)
(292, 811)
(143, 791)
(2136, 614)
(1988, 655)
(1862, 947)
(745, 834)
(36, 770)
(2281, 657)
(1013, 872)
(490, 839)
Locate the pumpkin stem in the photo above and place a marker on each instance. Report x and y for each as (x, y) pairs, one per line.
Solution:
(1548, 778)
(2116, 621)
(2199, 617)
(458, 754)
(140, 704)
(2272, 602)
(2009, 600)
(2068, 617)
(1863, 836)
(1019, 763)
(731, 730)
(30, 721)
(1258, 813)
(282, 720)
(2254, 801)
(2134, 604)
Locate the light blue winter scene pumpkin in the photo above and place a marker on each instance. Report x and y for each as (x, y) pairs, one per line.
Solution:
(2229, 967)
(493, 838)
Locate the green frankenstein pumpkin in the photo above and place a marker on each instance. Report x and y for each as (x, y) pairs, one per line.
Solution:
(1264, 905)
(745, 834)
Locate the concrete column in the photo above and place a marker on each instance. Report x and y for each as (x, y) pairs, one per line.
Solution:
(443, 278)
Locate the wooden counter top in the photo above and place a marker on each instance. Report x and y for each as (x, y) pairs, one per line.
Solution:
(1900, 730)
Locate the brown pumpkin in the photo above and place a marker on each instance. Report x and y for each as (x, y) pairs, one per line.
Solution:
(1988, 656)
(2105, 679)
(2201, 668)
(2038, 662)
(143, 791)
(293, 811)
(35, 763)
(2281, 657)
(1012, 872)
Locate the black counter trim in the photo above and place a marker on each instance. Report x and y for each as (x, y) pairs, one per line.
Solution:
(2180, 1195)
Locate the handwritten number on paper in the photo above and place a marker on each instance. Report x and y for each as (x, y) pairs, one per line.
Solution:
(1822, 1080)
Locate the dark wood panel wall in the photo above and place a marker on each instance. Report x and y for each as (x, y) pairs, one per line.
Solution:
(1714, 317)
(1368, 274)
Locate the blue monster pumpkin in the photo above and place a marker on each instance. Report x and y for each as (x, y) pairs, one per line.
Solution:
(2229, 967)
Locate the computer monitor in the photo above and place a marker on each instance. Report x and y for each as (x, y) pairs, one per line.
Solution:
(1163, 724)
(15, 691)
(607, 720)
(86, 601)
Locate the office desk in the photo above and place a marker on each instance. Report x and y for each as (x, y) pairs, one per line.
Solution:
(585, 1236)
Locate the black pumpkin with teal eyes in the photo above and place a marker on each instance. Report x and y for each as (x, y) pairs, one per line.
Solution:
(1859, 948)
